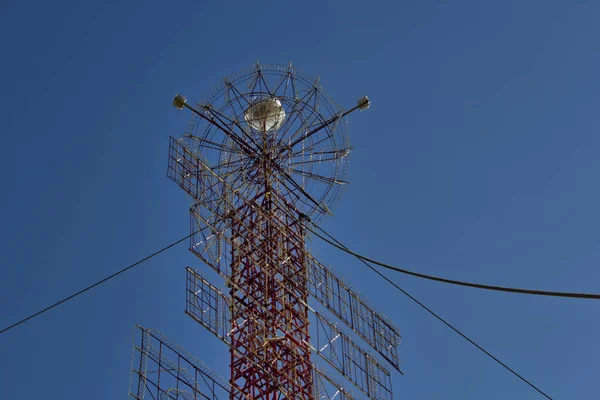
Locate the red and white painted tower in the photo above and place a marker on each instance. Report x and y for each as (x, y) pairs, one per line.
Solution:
(265, 156)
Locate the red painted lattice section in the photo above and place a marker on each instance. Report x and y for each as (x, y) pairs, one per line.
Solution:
(275, 335)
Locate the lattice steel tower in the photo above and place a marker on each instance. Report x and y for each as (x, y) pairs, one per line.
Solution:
(265, 155)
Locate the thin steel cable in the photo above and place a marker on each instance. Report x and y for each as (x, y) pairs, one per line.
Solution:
(588, 296)
(344, 248)
(96, 284)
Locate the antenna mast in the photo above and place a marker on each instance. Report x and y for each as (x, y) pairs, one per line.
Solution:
(263, 155)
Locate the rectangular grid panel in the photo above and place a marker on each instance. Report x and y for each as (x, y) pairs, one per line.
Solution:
(327, 388)
(352, 310)
(184, 168)
(209, 243)
(351, 361)
(163, 370)
(207, 305)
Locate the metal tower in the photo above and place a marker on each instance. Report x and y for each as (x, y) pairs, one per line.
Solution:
(265, 155)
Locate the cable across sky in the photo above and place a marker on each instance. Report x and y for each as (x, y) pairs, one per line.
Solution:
(333, 242)
(50, 307)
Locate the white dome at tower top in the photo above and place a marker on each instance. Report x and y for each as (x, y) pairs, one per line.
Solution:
(265, 115)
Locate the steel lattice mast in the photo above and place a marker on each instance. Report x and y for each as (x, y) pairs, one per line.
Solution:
(275, 336)
(266, 153)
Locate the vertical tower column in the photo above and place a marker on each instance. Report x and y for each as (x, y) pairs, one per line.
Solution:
(269, 303)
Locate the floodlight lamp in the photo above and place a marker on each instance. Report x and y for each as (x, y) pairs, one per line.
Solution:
(179, 101)
(364, 103)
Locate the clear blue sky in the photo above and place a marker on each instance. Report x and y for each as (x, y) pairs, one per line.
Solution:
(478, 161)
